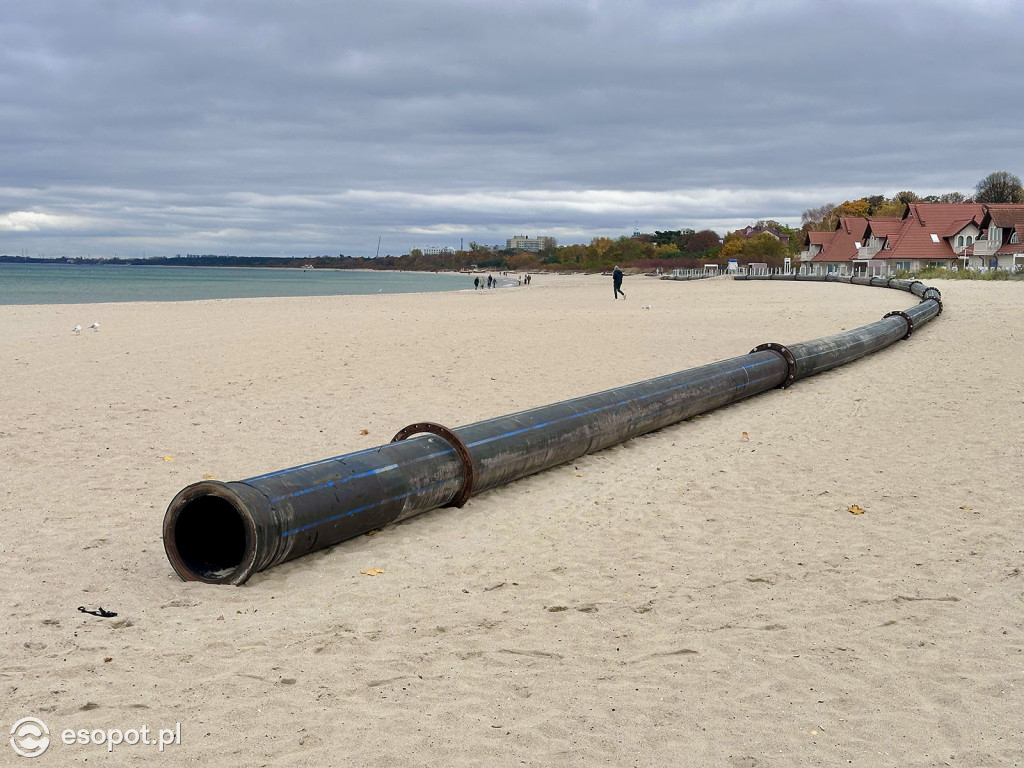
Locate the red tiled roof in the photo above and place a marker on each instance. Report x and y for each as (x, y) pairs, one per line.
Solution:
(921, 221)
(843, 246)
(1009, 215)
(883, 226)
(1010, 248)
(957, 226)
(819, 236)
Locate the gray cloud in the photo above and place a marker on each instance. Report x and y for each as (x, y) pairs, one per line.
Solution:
(315, 127)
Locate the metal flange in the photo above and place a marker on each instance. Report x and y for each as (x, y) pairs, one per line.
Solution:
(905, 316)
(936, 299)
(468, 468)
(785, 354)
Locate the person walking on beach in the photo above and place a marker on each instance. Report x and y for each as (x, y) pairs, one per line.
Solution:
(617, 282)
(476, 283)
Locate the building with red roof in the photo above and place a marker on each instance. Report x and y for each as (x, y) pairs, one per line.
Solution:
(836, 249)
(1002, 230)
(933, 235)
(947, 235)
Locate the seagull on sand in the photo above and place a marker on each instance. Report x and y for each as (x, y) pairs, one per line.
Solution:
(95, 326)
(77, 329)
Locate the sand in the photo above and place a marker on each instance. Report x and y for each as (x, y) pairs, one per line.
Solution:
(686, 598)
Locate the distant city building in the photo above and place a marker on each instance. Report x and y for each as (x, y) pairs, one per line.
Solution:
(434, 250)
(527, 243)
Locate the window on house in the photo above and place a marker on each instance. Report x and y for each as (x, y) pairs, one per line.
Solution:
(970, 240)
(1014, 238)
(994, 234)
(935, 238)
(903, 265)
(960, 242)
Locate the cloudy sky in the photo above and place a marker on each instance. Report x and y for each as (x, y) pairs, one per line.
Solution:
(251, 127)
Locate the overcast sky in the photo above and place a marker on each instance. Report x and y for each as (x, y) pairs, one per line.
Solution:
(251, 127)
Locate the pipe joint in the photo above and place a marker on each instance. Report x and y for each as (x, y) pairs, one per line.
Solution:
(785, 354)
(905, 316)
(468, 468)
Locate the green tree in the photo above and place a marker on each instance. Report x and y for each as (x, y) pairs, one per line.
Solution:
(764, 246)
(890, 209)
(572, 254)
(999, 187)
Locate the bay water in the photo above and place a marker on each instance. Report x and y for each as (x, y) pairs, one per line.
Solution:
(62, 283)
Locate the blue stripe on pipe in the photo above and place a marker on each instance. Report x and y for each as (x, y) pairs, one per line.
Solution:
(357, 510)
(484, 441)
(339, 481)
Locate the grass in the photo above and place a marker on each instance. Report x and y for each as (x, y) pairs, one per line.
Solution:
(937, 273)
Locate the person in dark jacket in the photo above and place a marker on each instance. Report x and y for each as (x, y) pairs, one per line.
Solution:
(617, 282)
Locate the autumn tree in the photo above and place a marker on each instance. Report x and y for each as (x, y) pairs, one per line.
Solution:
(999, 187)
(823, 217)
(572, 254)
(732, 249)
(853, 208)
(702, 242)
(523, 261)
(599, 247)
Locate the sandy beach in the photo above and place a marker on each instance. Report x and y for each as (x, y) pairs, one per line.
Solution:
(690, 597)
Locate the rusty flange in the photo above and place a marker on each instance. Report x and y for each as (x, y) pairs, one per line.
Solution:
(468, 468)
(905, 316)
(786, 355)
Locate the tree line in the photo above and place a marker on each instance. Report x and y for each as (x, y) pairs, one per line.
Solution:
(665, 250)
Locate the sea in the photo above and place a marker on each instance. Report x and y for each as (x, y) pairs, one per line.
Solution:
(98, 283)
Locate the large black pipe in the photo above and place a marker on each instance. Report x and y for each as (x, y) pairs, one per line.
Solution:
(223, 533)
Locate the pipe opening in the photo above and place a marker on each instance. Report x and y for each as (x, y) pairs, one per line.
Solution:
(209, 537)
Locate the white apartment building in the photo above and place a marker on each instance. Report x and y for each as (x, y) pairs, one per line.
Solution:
(527, 243)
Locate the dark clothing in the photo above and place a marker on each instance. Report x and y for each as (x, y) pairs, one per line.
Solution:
(617, 283)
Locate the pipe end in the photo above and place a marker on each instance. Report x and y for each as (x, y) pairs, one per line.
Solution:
(209, 534)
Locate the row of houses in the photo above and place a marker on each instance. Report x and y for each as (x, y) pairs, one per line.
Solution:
(949, 235)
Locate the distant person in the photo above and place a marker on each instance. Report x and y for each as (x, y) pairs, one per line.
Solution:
(617, 282)
(476, 283)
